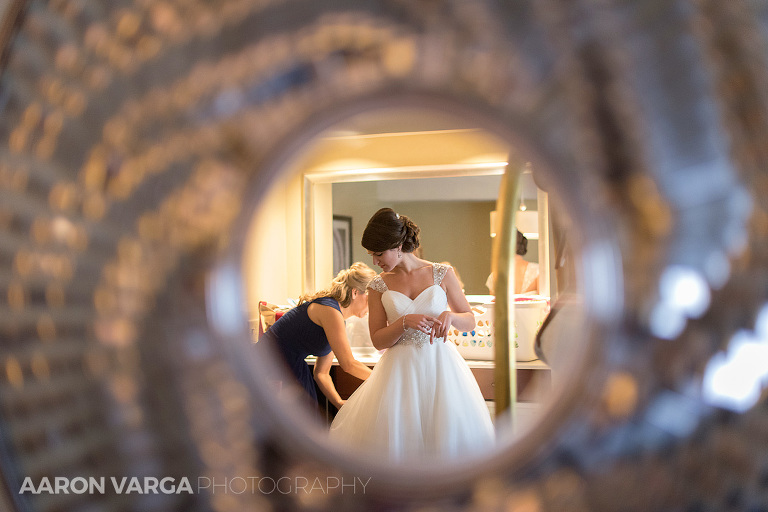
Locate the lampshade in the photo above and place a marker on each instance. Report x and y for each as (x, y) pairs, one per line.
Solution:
(527, 222)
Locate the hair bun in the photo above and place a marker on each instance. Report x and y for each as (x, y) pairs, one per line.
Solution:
(410, 234)
(386, 230)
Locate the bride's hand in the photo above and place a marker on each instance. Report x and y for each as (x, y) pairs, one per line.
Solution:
(435, 329)
(421, 323)
(424, 323)
(442, 325)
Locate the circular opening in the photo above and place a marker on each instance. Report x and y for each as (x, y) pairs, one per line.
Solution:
(418, 155)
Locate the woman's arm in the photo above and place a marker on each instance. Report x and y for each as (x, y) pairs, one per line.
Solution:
(383, 334)
(460, 315)
(330, 319)
(322, 374)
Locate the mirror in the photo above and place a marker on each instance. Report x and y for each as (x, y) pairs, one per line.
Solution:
(444, 172)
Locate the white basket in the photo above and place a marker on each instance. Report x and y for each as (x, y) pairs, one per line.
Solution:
(478, 344)
(529, 316)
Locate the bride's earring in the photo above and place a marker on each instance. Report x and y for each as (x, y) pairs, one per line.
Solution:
(399, 254)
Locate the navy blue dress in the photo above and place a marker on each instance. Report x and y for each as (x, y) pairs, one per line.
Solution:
(295, 337)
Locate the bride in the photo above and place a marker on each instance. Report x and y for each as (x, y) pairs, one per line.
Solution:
(421, 399)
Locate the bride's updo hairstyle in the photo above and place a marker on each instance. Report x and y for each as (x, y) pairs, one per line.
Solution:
(387, 230)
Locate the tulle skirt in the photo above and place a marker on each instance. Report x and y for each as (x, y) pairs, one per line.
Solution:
(419, 402)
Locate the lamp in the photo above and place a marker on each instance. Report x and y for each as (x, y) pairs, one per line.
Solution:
(528, 223)
(525, 221)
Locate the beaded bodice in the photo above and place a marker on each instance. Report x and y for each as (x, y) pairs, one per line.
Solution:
(431, 301)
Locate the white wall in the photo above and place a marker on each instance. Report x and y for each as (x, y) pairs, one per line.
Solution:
(273, 259)
(459, 188)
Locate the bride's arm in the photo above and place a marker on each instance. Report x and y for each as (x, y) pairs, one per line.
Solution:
(460, 315)
(383, 335)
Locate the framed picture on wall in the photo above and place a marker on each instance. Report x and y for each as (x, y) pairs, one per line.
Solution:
(342, 243)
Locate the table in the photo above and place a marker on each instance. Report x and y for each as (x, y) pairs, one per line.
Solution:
(534, 378)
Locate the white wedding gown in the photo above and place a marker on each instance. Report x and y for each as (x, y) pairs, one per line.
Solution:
(421, 400)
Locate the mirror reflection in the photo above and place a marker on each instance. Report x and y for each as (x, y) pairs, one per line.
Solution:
(369, 275)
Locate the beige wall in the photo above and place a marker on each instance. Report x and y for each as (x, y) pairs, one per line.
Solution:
(454, 231)
(273, 259)
(359, 201)
(458, 232)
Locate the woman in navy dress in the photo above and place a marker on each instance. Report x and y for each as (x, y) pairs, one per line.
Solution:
(316, 327)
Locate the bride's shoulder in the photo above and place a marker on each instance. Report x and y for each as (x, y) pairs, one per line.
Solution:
(377, 284)
(439, 270)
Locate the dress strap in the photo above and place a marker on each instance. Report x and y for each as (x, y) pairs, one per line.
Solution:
(530, 275)
(377, 284)
(327, 301)
(438, 272)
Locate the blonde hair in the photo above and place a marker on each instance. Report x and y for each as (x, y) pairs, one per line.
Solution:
(355, 277)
